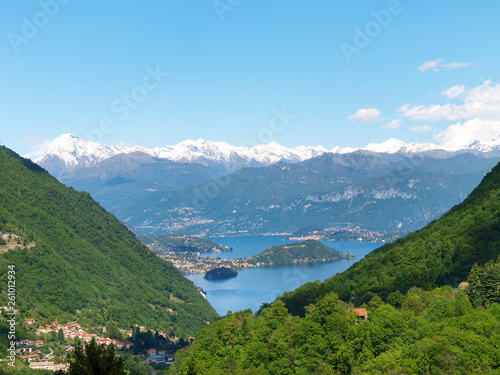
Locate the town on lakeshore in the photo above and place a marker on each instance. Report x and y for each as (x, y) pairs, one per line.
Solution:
(306, 251)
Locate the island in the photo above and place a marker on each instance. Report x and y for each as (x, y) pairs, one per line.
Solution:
(220, 273)
(308, 251)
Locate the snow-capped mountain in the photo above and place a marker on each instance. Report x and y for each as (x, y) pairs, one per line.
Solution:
(149, 188)
(68, 153)
(486, 146)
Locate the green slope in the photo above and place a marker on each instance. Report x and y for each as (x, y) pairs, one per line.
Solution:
(85, 264)
(441, 253)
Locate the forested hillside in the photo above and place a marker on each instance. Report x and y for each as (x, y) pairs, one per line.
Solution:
(437, 332)
(75, 261)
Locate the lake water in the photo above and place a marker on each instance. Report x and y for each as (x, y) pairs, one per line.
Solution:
(254, 286)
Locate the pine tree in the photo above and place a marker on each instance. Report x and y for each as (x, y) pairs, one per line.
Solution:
(95, 360)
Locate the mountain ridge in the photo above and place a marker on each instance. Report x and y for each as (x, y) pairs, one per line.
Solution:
(80, 262)
(374, 191)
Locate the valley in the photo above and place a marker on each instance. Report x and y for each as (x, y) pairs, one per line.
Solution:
(360, 195)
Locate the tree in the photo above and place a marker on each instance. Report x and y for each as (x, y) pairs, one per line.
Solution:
(60, 335)
(396, 299)
(96, 360)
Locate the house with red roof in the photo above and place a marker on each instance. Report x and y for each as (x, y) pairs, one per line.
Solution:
(361, 313)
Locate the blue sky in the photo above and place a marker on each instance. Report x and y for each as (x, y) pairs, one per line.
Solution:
(154, 73)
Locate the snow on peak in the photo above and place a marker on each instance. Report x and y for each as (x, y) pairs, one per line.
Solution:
(393, 146)
(74, 151)
(486, 146)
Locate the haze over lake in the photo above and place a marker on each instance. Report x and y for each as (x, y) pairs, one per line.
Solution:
(254, 286)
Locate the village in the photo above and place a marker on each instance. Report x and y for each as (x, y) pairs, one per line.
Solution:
(39, 355)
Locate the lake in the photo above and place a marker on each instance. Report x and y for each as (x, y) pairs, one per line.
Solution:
(254, 286)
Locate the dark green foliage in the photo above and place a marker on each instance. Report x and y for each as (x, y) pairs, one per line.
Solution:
(441, 253)
(484, 283)
(95, 360)
(134, 368)
(396, 299)
(86, 265)
(220, 273)
(60, 336)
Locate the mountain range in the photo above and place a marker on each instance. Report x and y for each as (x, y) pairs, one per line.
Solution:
(68, 153)
(378, 192)
(212, 188)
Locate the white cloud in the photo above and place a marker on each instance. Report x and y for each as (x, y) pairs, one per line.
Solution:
(436, 65)
(432, 64)
(366, 115)
(423, 128)
(481, 102)
(404, 107)
(455, 65)
(38, 146)
(395, 124)
(433, 112)
(462, 135)
(454, 91)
